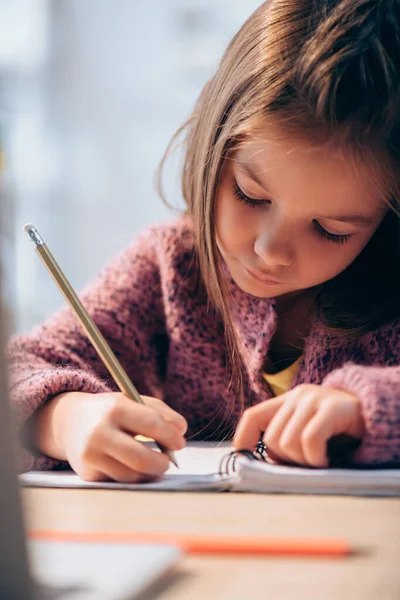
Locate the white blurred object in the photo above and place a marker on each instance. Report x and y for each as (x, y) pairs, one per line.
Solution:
(23, 40)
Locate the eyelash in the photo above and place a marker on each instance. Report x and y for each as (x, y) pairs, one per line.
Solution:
(332, 237)
(252, 202)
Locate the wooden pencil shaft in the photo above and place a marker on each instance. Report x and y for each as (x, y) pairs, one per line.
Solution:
(95, 336)
(211, 543)
(106, 354)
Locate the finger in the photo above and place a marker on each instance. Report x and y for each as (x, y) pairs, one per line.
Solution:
(90, 474)
(272, 436)
(290, 442)
(253, 422)
(134, 455)
(273, 457)
(137, 419)
(115, 471)
(168, 413)
(316, 434)
(100, 467)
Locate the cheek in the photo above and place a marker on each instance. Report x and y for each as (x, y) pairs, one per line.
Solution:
(325, 260)
(234, 224)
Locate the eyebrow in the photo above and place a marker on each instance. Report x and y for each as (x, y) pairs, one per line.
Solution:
(357, 219)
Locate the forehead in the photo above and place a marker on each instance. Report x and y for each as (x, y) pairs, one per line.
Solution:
(318, 177)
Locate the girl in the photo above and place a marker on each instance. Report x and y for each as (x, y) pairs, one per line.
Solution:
(274, 301)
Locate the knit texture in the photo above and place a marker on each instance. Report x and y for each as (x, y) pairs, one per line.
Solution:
(152, 308)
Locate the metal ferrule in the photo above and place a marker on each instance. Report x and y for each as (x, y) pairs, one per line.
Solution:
(35, 237)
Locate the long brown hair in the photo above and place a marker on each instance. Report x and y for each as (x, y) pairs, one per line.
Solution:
(328, 70)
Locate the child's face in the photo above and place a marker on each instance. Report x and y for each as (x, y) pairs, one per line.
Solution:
(313, 212)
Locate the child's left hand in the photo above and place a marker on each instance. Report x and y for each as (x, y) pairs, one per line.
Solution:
(299, 424)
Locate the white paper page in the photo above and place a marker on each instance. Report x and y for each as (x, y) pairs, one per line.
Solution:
(257, 476)
(198, 470)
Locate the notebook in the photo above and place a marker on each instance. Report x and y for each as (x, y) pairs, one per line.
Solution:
(216, 467)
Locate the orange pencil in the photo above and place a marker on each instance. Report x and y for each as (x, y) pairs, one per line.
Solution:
(210, 544)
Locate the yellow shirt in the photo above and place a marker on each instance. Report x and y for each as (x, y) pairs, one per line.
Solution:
(280, 382)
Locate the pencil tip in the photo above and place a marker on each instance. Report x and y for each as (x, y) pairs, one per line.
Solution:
(173, 459)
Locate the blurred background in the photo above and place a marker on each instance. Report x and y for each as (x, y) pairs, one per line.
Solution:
(91, 92)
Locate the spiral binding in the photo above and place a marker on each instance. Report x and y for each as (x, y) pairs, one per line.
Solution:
(228, 462)
(340, 449)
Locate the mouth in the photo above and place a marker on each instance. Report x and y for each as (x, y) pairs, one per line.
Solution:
(261, 277)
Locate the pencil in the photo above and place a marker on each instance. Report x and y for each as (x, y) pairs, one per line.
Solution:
(108, 357)
(209, 543)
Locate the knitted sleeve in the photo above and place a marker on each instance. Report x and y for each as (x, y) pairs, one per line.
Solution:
(125, 302)
(378, 388)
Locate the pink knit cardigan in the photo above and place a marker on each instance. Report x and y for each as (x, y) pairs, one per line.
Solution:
(152, 308)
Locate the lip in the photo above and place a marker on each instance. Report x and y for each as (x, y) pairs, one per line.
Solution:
(261, 277)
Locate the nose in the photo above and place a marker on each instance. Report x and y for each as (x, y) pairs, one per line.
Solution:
(275, 248)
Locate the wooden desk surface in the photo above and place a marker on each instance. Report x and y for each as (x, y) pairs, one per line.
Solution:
(373, 525)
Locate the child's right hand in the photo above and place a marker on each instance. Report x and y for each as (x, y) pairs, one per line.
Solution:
(95, 434)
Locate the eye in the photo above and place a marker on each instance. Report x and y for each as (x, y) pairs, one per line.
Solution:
(337, 239)
(240, 195)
